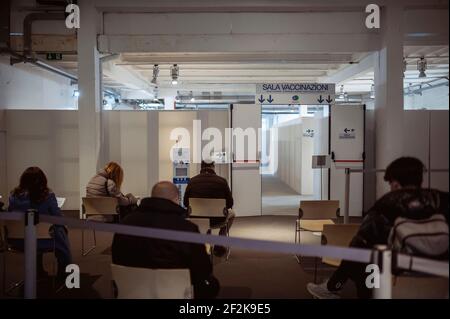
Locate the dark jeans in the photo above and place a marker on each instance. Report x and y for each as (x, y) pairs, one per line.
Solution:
(207, 289)
(60, 244)
(353, 271)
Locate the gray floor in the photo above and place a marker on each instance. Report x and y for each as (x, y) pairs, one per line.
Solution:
(247, 274)
(278, 198)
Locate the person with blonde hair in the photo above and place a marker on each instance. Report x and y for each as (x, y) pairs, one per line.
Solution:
(107, 183)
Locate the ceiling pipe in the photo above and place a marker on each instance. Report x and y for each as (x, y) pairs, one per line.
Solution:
(17, 58)
(28, 24)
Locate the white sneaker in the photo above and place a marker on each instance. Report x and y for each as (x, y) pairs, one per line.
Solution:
(320, 291)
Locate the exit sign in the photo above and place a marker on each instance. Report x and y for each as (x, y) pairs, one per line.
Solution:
(54, 56)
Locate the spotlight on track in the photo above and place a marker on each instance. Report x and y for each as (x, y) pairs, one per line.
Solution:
(174, 72)
(422, 67)
(341, 93)
(155, 73)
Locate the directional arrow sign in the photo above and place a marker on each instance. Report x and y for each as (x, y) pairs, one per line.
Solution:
(320, 99)
(270, 100)
(329, 99)
(261, 99)
(346, 130)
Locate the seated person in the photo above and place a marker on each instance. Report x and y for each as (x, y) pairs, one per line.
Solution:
(162, 211)
(33, 193)
(404, 176)
(208, 184)
(107, 183)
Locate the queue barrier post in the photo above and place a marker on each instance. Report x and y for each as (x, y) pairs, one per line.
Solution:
(30, 250)
(347, 195)
(383, 259)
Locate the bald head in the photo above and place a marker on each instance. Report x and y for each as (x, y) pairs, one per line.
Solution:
(166, 190)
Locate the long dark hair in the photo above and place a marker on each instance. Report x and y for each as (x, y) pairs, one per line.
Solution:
(33, 182)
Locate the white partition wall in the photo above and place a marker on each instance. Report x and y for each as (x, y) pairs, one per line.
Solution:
(49, 140)
(289, 159)
(138, 140)
(427, 138)
(130, 139)
(246, 178)
(347, 145)
(168, 121)
(439, 142)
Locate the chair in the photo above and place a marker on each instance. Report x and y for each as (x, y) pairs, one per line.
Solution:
(336, 235)
(15, 230)
(313, 214)
(211, 208)
(92, 209)
(144, 283)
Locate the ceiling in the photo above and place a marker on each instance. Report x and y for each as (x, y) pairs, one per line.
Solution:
(236, 74)
(437, 72)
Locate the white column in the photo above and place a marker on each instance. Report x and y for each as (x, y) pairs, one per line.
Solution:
(389, 91)
(89, 102)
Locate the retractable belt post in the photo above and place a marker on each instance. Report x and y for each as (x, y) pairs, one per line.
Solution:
(383, 258)
(347, 195)
(30, 245)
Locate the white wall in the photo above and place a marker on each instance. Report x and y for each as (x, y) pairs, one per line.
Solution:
(307, 151)
(290, 154)
(24, 86)
(48, 139)
(168, 120)
(130, 140)
(321, 148)
(418, 124)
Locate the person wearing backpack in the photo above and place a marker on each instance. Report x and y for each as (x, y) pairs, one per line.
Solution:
(407, 201)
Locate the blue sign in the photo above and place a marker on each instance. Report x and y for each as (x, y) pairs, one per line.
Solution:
(180, 180)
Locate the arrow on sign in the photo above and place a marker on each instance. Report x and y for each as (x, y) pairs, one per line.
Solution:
(270, 100)
(261, 99)
(320, 99)
(329, 100)
(346, 130)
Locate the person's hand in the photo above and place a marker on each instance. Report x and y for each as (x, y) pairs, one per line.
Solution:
(131, 197)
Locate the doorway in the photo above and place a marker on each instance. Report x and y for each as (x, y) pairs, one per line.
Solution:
(291, 135)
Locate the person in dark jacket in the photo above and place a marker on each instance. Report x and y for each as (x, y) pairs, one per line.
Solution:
(33, 193)
(406, 199)
(162, 211)
(208, 184)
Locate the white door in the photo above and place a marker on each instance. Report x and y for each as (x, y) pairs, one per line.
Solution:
(347, 149)
(246, 179)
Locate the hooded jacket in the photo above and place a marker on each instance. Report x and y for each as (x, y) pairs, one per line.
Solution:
(409, 203)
